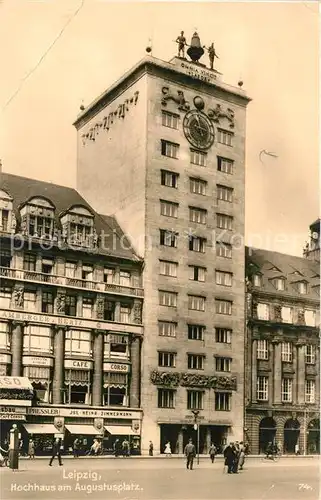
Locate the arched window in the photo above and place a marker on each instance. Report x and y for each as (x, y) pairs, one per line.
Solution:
(37, 218)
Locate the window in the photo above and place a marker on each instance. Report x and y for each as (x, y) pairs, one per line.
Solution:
(224, 137)
(167, 328)
(87, 307)
(309, 317)
(70, 307)
(168, 268)
(77, 387)
(263, 311)
(4, 336)
(169, 179)
(223, 250)
(37, 338)
(257, 280)
(286, 352)
(195, 400)
(196, 332)
(302, 288)
(47, 302)
(168, 208)
(5, 220)
(124, 278)
(310, 391)
(29, 301)
(197, 244)
(262, 388)
(40, 226)
(197, 215)
(29, 262)
(310, 354)
(223, 401)
(168, 299)
(224, 193)
(223, 364)
(198, 158)
(286, 390)
(80, 234)
(262, 349)
(196, 303)
(5, 297)
(47, 266)
(166, 398)
(169, 119)
(116, 346)
(5, 258)
(223, 306)
(197, 186)
(125, 313)
(109, 275)
(223, 335)
(224, 165)
(197, 273)
(166, 359)
(115, 389)
(168, 238)
(109, 310)
(169, 149)
(279, 283)
(78, 342)
(87, 273)
(224, 221)
(286, 314)
(71, 269)
(195, 361)
(223, 278)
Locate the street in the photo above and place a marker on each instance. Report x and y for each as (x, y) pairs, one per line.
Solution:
(155, 479)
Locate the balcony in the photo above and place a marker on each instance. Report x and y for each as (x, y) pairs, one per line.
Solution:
(63, 281)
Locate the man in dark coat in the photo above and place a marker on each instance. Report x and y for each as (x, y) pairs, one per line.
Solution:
(56, 451)
(229, 455)
(190, 453)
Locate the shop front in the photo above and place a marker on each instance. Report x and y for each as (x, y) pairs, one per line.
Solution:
(16, 394)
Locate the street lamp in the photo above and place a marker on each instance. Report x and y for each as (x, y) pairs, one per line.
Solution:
(197, 428)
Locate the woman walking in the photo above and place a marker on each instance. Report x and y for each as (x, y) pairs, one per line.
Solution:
(168, 451)
(31, 449)
(212, 452)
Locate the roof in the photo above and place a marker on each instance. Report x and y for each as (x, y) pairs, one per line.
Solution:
(21, 189)
(276, 265)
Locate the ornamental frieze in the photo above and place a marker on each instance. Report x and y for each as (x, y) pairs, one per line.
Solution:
(169, 379)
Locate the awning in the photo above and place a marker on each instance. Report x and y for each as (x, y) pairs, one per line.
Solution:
(82, 430)
(120, 430)
(40, 428)
(22, 383)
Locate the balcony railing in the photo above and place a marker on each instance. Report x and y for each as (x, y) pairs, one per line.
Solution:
(52, 279)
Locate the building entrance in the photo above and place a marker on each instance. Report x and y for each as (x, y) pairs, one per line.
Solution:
(313, 437)
(267, 433)
(291, 435)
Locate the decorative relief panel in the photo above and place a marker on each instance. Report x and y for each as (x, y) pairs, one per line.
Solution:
(218, 115)
(263, 365)
(100, 304)
(169, 379)
(107, 121)
(17, 297)
(137, 312)
(287, 368)
(301, 317)
(177, 97)
(61, 303)
(278, 313)
(310, 370)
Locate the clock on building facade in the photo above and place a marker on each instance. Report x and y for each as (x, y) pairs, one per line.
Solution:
(198, 129)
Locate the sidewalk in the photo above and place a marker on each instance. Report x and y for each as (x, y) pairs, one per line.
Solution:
(164, 457)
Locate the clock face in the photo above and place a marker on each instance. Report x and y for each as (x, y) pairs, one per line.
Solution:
(198, 129)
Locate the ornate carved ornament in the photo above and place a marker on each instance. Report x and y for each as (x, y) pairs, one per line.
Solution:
(179, 99)
(108, 120)
(169, 379)
(137, 312)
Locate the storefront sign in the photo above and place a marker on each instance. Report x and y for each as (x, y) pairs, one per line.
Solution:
(79, 412)
(37, 361)
(15, 383)
(49, 319)
(12, 416)
(116, 367)
(78, 364)
(5, 358)
(12, 409)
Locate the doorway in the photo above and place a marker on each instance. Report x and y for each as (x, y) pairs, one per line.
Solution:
(291, 435)
(267, 433)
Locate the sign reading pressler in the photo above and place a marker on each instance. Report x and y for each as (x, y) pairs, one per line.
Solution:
(80, 412)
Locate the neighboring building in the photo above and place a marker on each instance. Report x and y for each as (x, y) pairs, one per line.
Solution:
(312, 249)
(282, 355)
(70, 316)
(164, 150)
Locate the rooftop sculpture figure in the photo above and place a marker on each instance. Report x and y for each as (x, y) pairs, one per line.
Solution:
(181, 40)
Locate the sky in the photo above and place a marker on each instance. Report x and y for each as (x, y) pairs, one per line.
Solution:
(58, 54)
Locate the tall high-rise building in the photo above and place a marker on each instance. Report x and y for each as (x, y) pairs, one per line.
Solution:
(163, 149)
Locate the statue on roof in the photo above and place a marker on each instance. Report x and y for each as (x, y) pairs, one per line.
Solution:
(181, 40)
(195, 50)
(211, 54)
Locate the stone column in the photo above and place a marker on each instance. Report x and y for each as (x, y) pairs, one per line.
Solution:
(277, 373)
(134, 395)
(16, 348)
(254, 371)
(58, 375)
(117, 312)
(301, 374)
(181, 442)
(295, 377)
(98, 368)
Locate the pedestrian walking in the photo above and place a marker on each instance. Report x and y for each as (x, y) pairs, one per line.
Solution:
(31, 449)
(237, 456)
(4, 449)
(168, 450)
(190, 454)
(212, 452)
(117, 448)
(125, 447)
(297, 449)
(241, 456)
(229, 455)
(151, 449)
(56, 451)
(76, 448)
